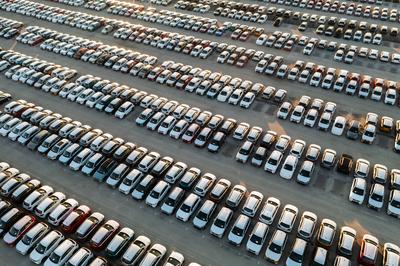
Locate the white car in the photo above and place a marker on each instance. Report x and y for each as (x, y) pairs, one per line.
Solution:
(307, 225)
(130, 181)
(257, 238)
(154, 255)
(32, 237)
(391, 254)
(174, 259)
(62, 211)
(125, 109)
(276, 246)
(297, 254)
(326, 232)
(376, 196)
(62, 253)
(297, 114)
(188, 207)
(239, 229)
(49, 204)
(390, 97)
(241, 131)
(284, 110)
(273, 161)
(325, 121)
(311, 117)
(157, 193)
(252, 203)
(269, 211)
(338, 125)
(244, 152)
(288, 218)
(282, 143)
(288, 167)
(305, 172)
(46, 246)
(221, 222)
(368, 136)
(393, 208)
(247, 100)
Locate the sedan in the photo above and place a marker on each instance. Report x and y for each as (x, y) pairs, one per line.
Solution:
(154, 255)
(120, 240)
(104, 234)
(19, 229)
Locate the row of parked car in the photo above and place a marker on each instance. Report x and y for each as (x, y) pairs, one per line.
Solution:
(9, 28)
(179, 20)
(350, 9)
(325, 24)
(326, 120)
(168, 117)
(56, 230)
(241, 131)
(79, 20)
(155, 193)
(339, 80)
(224, 88)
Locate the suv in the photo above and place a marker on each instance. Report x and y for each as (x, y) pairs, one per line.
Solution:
(221, 222)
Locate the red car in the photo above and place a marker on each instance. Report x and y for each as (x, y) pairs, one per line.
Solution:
(19, 229)
(104, 234)
(75, 218)
(369, 250)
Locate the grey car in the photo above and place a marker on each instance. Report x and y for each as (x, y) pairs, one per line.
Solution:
(354, 130)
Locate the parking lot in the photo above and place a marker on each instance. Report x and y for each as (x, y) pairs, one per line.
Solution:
(326, 195)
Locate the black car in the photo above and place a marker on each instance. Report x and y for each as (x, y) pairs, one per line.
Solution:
(113, 106)
(144, 117)
(216, 142)
(277, 22)
(24, 190)
(354, 130)
(111, 146)
(5, 206)
(345, 164)
(105, 170)
(144, 187)
(123, 151)
(100, 105)
(8, 219)
(38, 139)
(268, 140)
(4, 97)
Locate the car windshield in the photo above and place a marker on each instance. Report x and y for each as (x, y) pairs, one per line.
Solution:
(369, 134)
(296, 257)
(202, 216)
(55, 258)
(275, 248)
(272, 161)
(304, 172)
(170, 202)
(237, 231)
(40, 249)
(127, 181)
(395, 203)
(26, 240)
(288, 167)
(185, 208)
(13, 232)
(358, 191)
(376, 197)
(154, 194)
(256, 239)
(219, 223)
